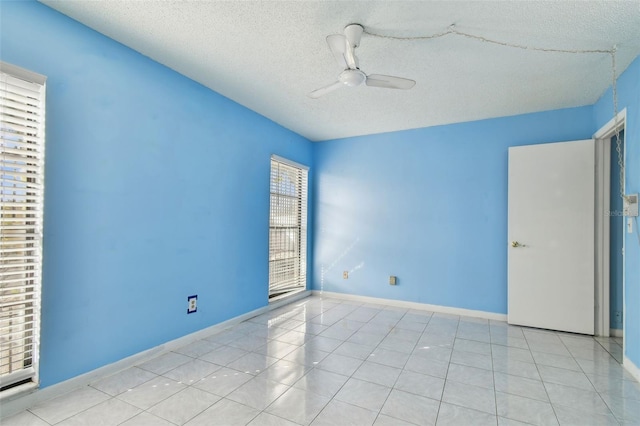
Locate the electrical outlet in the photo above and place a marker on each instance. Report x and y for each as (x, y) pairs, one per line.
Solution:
(192, 304)
(618, 316)
(393, 280)
(345, 275)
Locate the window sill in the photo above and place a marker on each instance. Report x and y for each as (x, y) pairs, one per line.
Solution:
(17, 392)
(287, 295)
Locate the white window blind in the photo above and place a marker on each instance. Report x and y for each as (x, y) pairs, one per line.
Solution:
(287, 227)
(22, 104)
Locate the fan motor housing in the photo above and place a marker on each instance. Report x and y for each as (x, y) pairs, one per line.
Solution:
(352, 78)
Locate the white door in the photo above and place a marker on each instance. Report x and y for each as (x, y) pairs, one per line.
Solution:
(551, 236)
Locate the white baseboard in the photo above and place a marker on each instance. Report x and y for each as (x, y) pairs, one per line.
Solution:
(615, 332)
(17, 402)
(414, 305)
(631, 368)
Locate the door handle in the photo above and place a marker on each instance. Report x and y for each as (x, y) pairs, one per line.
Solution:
(516, 244)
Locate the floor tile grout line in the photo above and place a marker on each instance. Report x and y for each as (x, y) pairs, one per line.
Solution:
(402, 368)
(414, 349)
(88, 408)
(541, 378)
(221, 397)
(31, 412)
(351, 376)
(596, 389)
(291, 386)
(541, 381)
(193, 417)
(444, 386)
(493, 374)
(377, 346)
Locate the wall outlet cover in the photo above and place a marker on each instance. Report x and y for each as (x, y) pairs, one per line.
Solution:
(192, 304)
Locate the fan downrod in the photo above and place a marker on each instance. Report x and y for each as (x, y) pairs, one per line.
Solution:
(353, 33)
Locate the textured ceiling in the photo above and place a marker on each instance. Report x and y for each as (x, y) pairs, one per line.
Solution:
(268, 55)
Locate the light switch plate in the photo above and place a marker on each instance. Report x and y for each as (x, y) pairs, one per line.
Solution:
(630, 205)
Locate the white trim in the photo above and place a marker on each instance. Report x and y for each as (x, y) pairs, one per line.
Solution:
(16, 392)
(289, 298)
(26, 398)
(19, 376)
(615, 332)
(22, 73)
(289, 162)
(602, 236)
(34, 83)
(631, 368)
(609, 129)
(414, 305)
(292, 296)
(624, 257)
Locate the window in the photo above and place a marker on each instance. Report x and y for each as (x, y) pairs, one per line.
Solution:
(22, 103)
(287, 227)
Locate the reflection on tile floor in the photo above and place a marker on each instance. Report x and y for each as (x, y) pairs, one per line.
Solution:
(324, 361)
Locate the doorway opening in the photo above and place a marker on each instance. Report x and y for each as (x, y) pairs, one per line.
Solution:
(614, 344)
(610, 236)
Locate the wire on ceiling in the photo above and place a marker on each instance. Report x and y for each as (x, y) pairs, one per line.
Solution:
(611, 52)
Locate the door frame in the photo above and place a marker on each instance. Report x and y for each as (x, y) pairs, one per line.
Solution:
(602, 244)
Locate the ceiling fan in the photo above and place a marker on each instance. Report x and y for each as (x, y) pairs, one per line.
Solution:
(343, 49)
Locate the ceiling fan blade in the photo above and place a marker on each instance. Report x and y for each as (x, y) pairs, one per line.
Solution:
(338, 45)
(324, 90)
(389, 82)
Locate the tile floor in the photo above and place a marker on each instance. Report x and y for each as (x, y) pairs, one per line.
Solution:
(322, 361)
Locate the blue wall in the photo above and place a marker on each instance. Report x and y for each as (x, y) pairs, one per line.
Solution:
(156, 189)
(629, 98)
(428, 205)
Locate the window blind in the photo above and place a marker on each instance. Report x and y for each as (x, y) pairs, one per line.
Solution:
(287, 227)
(22, 105)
